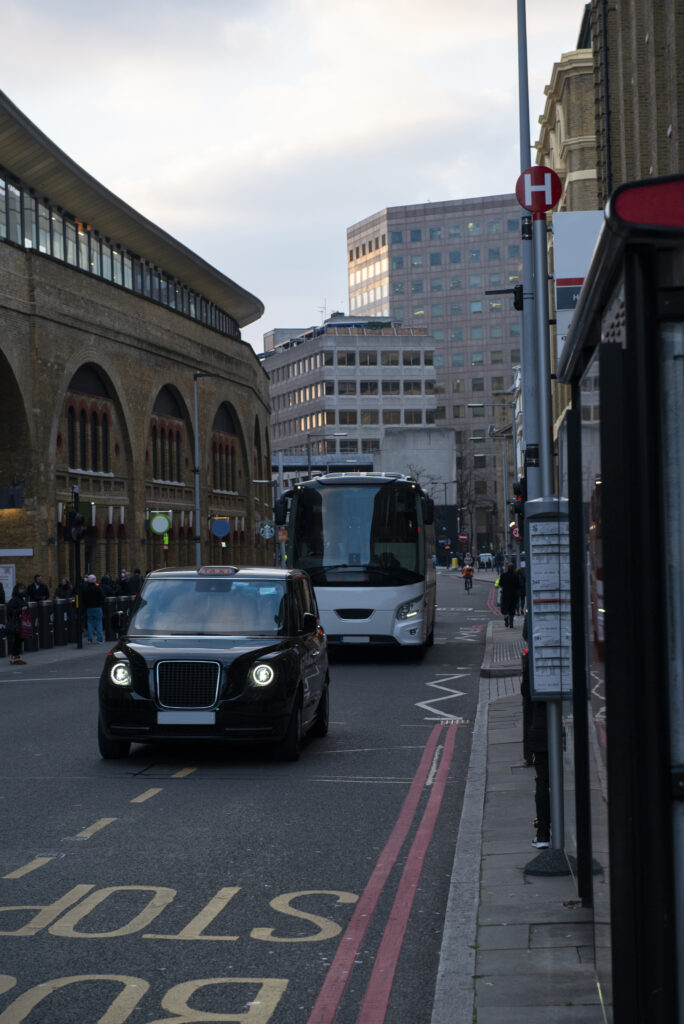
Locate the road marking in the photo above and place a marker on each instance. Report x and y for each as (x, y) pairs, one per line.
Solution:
(88, 832)
(433, 768)
(376, 1000)
(183, 773)
(451, 694)
(31, 866)
(336, 979)
(147, 795)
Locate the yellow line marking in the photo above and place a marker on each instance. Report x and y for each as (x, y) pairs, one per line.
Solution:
(183, 773)
(145, 796)
(31, 866)
(88, 832)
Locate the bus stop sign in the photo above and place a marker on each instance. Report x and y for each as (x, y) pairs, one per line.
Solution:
(538, 189)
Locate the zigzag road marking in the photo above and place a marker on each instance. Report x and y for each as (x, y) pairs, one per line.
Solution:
(428, 705)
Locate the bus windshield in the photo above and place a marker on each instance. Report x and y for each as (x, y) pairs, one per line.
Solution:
(358, 535)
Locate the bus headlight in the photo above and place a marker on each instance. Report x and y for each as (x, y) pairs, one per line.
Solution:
(120, 674)
(261, 674)
(409, 610)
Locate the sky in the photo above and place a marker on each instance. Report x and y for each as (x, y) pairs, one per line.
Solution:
(257, 131)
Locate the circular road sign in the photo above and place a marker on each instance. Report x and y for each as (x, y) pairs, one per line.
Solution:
(515, 533)
(538, 189)
(160, 523)
(220, 526)
(463, 537)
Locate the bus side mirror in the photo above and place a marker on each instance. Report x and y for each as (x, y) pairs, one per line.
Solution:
(280, 511)
(428, 511)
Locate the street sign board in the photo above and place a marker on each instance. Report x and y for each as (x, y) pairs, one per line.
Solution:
(160, 523)
(515, 533)
(463, 537)
(266, 530)
(538, 189)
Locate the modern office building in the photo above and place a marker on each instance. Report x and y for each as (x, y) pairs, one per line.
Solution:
(433, 265)
(335, 389)
(107, 324)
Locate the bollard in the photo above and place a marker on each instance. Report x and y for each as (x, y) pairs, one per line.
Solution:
(4, 647)
(110, 607)
(61, 621)
(33, 644)
(46, 624)
(73, 625)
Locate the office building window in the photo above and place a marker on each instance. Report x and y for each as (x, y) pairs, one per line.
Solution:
(413, 416)
(391, 417)
(480, 488)
(438, 334)
(429, 357)
(369, 417)
(416, 235)
(514, 252)
(418, 310)
(435, 233)
(458, 412)
(495, 280)
(439, 360)
(455, 283)
(369, 445)
(348, 446)
(429, 387)
(397, 263)
(495, 306)
(346, 387)
(474, 228)
(478, 410)
(329, 387)
(389, 358)
(346, 358)
(399, 312)
(477, 358)
(458, 359)
(417, 259)
(436, 284)
(458, 385)
(455, 256)
(411, 358)
(477, 384)
(396, 238)
(513, 224)
(437, 310)
(454, 230)
(369, 387)
(497, 383)
(475, 281)
(435, 259)
(474, 255)
(390, 387)
(368, 358)
(456, 334)
(416, 287)
(493, 227)
(456, 309)
(515, 329)
(412, 387)
(330, 418)
(476, 306)
(476, 333)
(347, 417)
(515, 355)
(397, 287)
(479, 461)
(494, 252)
(496, 356)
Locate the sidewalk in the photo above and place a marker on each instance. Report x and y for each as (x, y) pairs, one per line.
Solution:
(517, 948)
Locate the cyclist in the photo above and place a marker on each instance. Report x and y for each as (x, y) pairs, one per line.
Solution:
(467, 571)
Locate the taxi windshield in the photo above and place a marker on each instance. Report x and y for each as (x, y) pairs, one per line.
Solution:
(211, 606)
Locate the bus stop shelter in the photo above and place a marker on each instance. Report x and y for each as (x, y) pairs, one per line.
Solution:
(621, 465)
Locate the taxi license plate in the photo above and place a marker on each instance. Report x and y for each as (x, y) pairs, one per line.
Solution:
(186, 718)
(355, 639)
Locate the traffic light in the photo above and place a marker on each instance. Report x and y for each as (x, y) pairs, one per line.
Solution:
(517, 506)
(518, 297)
(75, 528)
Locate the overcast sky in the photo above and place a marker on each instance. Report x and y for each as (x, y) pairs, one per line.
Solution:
(257, 131)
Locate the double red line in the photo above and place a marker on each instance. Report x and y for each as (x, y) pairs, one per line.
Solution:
(374, 1007)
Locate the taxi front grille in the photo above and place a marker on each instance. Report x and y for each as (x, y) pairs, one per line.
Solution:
(188, 684)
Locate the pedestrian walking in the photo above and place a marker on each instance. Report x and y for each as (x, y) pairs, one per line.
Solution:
(520, 600)
(135, 583)
(17, 606)
(92, 600)
(508, 586)
(37, 591)
(109, 587)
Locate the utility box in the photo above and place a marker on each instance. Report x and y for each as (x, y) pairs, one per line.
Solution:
(547, 542)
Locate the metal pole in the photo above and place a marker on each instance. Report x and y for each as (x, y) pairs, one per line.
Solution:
(198, 547)
(308, 455)
(505, 496)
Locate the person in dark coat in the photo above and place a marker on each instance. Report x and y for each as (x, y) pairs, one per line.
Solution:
(2, 594)
(135, 583)
(37, 591)
(64, 590)
(509, 584)
(92, 599)
(108, 587)
(17, 603)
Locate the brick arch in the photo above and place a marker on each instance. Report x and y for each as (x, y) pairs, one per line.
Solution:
(16, 445)
(170, 435)
(229, 464)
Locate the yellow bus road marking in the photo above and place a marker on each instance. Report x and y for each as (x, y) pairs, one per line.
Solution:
(88, 832)
(145, 796)
(31, 866)
(183, 773)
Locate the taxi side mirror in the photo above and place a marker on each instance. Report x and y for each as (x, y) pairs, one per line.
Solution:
(309, 623)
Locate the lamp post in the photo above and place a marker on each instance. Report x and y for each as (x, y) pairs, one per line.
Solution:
(196, 470)
(314, 437)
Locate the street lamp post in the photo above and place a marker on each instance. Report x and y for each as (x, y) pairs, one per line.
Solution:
(196, 471)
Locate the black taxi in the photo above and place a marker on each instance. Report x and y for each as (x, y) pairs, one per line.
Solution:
(217, 653)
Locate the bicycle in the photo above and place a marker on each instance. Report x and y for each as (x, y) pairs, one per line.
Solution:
(468, 580)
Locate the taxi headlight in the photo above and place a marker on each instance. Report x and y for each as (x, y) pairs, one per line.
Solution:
(120, 674)
(261, 674)
(409, 610)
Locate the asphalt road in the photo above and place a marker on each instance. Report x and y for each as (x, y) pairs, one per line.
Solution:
(187, 884)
